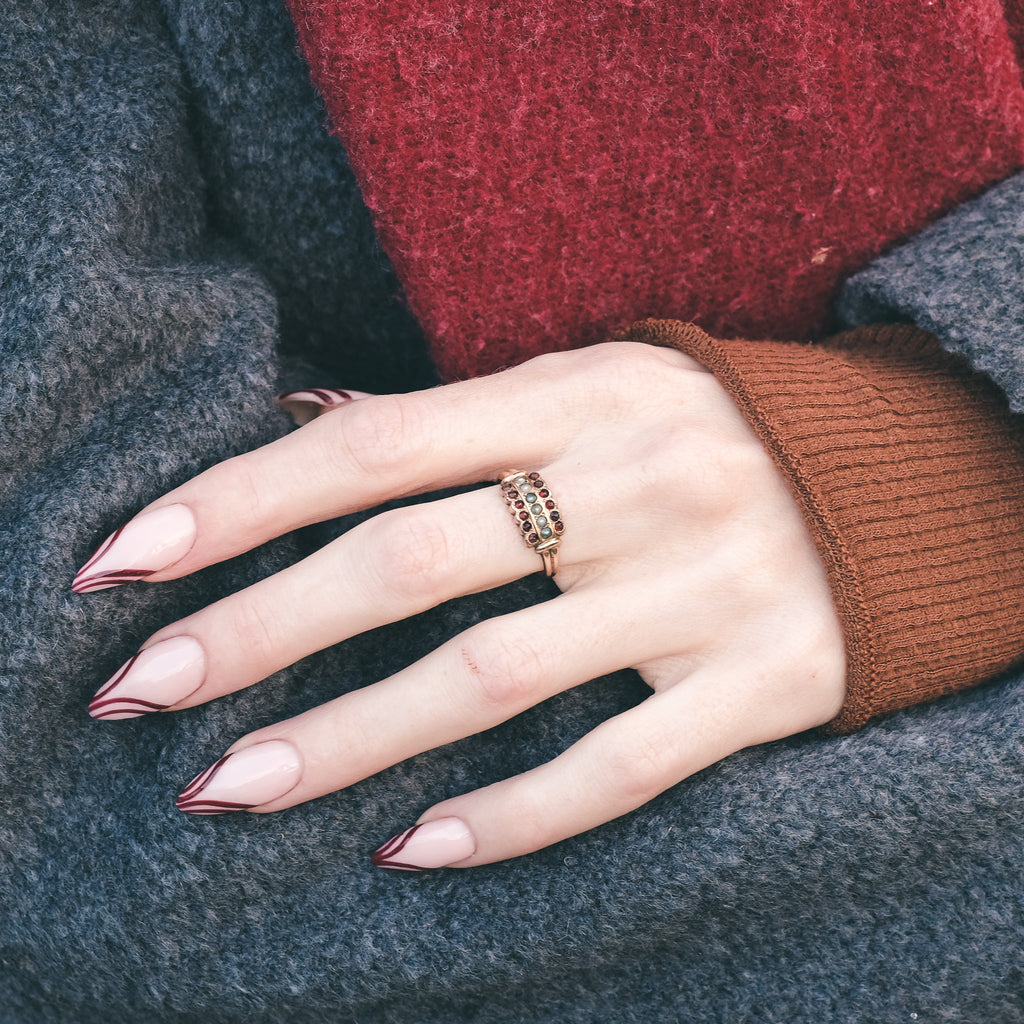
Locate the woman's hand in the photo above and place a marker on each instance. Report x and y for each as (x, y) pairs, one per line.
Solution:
(684, 556)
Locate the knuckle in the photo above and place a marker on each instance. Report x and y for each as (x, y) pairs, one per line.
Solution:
(255, 629)
(641, 770)
(536, 820)
(619, 371)
(609, 358)
(809, 683)
(727, 469)
(379, 435)
(250, 496)
(412, 552)
(504, 672)
(635, 369)
(725, 481)
(620, 375)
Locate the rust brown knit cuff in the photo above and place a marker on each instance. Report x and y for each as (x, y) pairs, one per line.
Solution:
(909, 469)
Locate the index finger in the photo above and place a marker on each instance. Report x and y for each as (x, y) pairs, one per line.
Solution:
(370, 451)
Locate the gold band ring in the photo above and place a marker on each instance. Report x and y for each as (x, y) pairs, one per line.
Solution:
(535, 513)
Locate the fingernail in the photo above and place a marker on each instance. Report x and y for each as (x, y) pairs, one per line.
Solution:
(434, 844)
(145, 545)
(244, 779)
(154, 679)
(304, 406)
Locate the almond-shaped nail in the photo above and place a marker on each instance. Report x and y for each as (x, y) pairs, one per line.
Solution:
(152, 680)
(244, 779)
(434, 844)
(304, 406)
(144, 545)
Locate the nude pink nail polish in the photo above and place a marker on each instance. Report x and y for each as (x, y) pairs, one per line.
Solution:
(152, 680)
(244, 779)
(304, 406)
(434, 844)
(144, 545)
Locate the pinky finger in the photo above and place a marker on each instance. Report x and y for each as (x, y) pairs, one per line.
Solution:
(614, 769)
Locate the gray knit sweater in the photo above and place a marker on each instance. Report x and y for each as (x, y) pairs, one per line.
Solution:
(180, 238)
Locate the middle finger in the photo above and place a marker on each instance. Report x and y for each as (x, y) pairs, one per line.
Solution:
(388, 568)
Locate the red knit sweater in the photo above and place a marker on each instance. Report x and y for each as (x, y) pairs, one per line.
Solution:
(544, 173)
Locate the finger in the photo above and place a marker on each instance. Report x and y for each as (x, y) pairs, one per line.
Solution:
(475, 681)
(365, 452)
(619, 766)
(386, 569)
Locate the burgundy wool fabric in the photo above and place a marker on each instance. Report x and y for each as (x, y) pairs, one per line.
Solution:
(544, 173)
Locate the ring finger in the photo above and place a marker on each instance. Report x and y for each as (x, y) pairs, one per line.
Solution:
(475, 681)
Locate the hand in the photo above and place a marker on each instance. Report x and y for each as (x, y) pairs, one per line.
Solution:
(684, 556)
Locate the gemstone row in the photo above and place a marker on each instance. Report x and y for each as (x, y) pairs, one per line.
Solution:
(533, 508)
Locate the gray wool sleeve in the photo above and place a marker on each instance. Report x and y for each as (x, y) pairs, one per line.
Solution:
(175, 225)
(963, 280)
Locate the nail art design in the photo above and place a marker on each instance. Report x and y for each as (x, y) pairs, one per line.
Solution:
(191, 798)
(434, 844)
(304, 406)
(385, 856)
(152, 680)
(244, 779)
(321, 396)
(85, 581)
(145, 545)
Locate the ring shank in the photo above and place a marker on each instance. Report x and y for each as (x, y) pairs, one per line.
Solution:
(550, 557)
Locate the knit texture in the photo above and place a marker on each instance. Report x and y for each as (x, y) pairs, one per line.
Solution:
(909, 470)
(149, 264)
(960, 280)
(544, 173)
(282, 193)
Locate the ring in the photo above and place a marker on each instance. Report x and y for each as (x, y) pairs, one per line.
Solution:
(535, 513)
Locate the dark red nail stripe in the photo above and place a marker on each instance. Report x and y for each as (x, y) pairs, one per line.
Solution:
(191, 800)
(202, 778)
(125, 669)
(103, 706)
(384, 857)
(123, 705)
(109, 579)
(101, 551)
(211, 807)
(330, 396)
(83, 582)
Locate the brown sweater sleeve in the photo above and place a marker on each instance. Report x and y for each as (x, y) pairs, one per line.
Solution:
(909, 469)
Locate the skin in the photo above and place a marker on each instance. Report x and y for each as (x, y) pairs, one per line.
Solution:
(695, 568)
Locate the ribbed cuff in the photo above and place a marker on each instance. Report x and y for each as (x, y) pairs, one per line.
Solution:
(909, 469)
